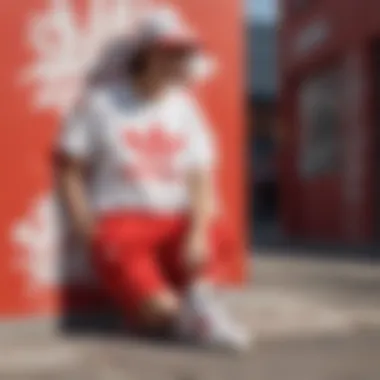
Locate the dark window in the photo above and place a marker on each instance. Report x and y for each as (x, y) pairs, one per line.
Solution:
(320, 124)
(300, 5)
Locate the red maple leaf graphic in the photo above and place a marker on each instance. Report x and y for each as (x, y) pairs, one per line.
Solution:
(156, 150)
(154, 143)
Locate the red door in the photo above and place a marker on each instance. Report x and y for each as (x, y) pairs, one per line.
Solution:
(320, 160)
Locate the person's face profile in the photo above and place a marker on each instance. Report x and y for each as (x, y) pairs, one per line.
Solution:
(170, 64)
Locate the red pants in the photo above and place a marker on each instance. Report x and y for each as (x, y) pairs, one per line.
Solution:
(139, 256)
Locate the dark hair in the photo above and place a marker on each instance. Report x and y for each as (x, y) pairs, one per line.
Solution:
(137, 64)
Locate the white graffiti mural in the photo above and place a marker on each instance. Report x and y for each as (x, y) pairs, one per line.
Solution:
(39, 237)
(66, 47)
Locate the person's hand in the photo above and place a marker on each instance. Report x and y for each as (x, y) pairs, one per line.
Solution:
(196, 250)
(85, 232)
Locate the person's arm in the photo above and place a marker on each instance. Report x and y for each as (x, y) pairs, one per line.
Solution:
(201, 186)
(73, 154)
(71, 182)
(201, 189)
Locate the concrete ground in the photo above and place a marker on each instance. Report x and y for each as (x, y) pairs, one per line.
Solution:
(314, 320)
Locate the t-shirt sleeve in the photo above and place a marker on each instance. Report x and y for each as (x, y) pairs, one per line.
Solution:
(202, 141)
(76, 138)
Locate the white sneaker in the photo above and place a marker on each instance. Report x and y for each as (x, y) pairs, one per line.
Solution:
(207, 322)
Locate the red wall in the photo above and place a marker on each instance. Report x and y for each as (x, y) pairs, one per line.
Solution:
(26, 137)
(328, 34)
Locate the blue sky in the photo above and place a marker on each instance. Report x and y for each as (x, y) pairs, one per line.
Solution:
(261, 10)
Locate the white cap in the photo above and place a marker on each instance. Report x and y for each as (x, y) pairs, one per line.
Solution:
(164, 27)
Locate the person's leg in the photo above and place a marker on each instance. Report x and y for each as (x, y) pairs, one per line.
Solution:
(125, 263)
(202, 317)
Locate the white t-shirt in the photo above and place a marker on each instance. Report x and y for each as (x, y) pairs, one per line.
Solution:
(139, 152)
